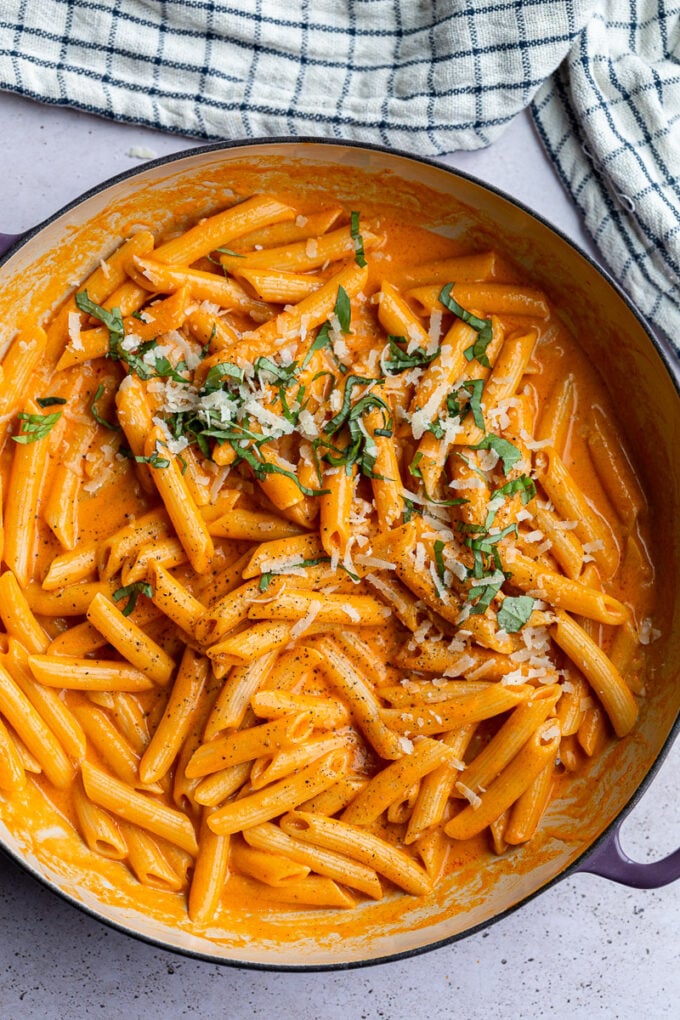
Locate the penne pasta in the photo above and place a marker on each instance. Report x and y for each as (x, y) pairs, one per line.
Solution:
(323, 560)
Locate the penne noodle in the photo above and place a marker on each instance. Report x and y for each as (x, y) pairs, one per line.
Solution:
(496, 298)
(536, 755)
(340, 868)
(173, 727)
(138, 808)
(130, 640)
(248, 744)
(341, 837)
(323, 557)
(263, 805)
(12, 773)
(602, 675)
(87, 674)
(100, 831)
(211, 869)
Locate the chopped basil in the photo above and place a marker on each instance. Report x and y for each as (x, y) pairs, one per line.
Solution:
(484, 594)
(359, 254)
(166, 371)
(439, 558)
(323, 339)
(50, 401)
(340, 419)
(475, 387)
(508, 453)
(343, 310)
(361, 449)
(515, 612)
(278, 373)
(400, 360)
(523, 484)
(228, 251)
(481, 326)
(131, 592)
(415, 471)
(113, 320)
(155, 460)
(262, 468)
(95, 413)
(35, 426)
(265, 580)
(217, 374)
(268, 576)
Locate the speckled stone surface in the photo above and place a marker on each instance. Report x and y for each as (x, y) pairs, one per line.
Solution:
(584, 948)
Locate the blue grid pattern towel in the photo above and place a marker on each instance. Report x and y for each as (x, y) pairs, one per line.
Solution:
(430, 76)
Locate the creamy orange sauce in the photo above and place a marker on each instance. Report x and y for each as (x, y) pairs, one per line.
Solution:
(247, 911)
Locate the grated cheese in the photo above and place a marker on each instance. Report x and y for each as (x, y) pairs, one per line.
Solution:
(74, 331)
(473, 798)
(307, 620)
(647, 633)
(533, 444)
(462, 484)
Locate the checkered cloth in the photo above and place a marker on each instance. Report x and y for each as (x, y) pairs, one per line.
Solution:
(430, 76)
(610, 119)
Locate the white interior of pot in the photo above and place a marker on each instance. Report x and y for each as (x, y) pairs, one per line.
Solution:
(638, 382)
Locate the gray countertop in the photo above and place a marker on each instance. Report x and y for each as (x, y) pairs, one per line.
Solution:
(584, 948)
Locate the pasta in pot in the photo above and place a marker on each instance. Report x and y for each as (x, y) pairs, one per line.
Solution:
(322, 557)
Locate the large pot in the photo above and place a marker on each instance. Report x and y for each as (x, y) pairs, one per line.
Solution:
(643, 379)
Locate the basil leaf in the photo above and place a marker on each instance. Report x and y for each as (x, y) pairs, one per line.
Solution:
(280, 373)
(515, 612)
(359, 254)
(475, 387)
(155, 460)
(166, 371)
(481, 326)
(508, 453)
(113, 320)
(401, 360)
(131, 592)
(343, 310)
(485, 593)
(265, 580)
(95, 414)
(262, 468)
(336, 423)
(323, 339)
(50, 401)
(215, 376)
(228, 251)
(524, 485)
(35, 426)
(439, 558)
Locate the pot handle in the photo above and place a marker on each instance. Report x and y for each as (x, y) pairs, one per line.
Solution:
(609, 860)
(8, 241)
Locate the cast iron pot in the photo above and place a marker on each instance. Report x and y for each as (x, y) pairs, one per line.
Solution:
(579, 834)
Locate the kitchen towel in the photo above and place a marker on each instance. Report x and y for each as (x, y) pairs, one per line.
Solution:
(427, 76)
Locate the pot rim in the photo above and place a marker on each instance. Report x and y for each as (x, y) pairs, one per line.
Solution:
(672, 366)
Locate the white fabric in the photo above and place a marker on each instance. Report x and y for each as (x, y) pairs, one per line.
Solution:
(610, 118)
(429, 76)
